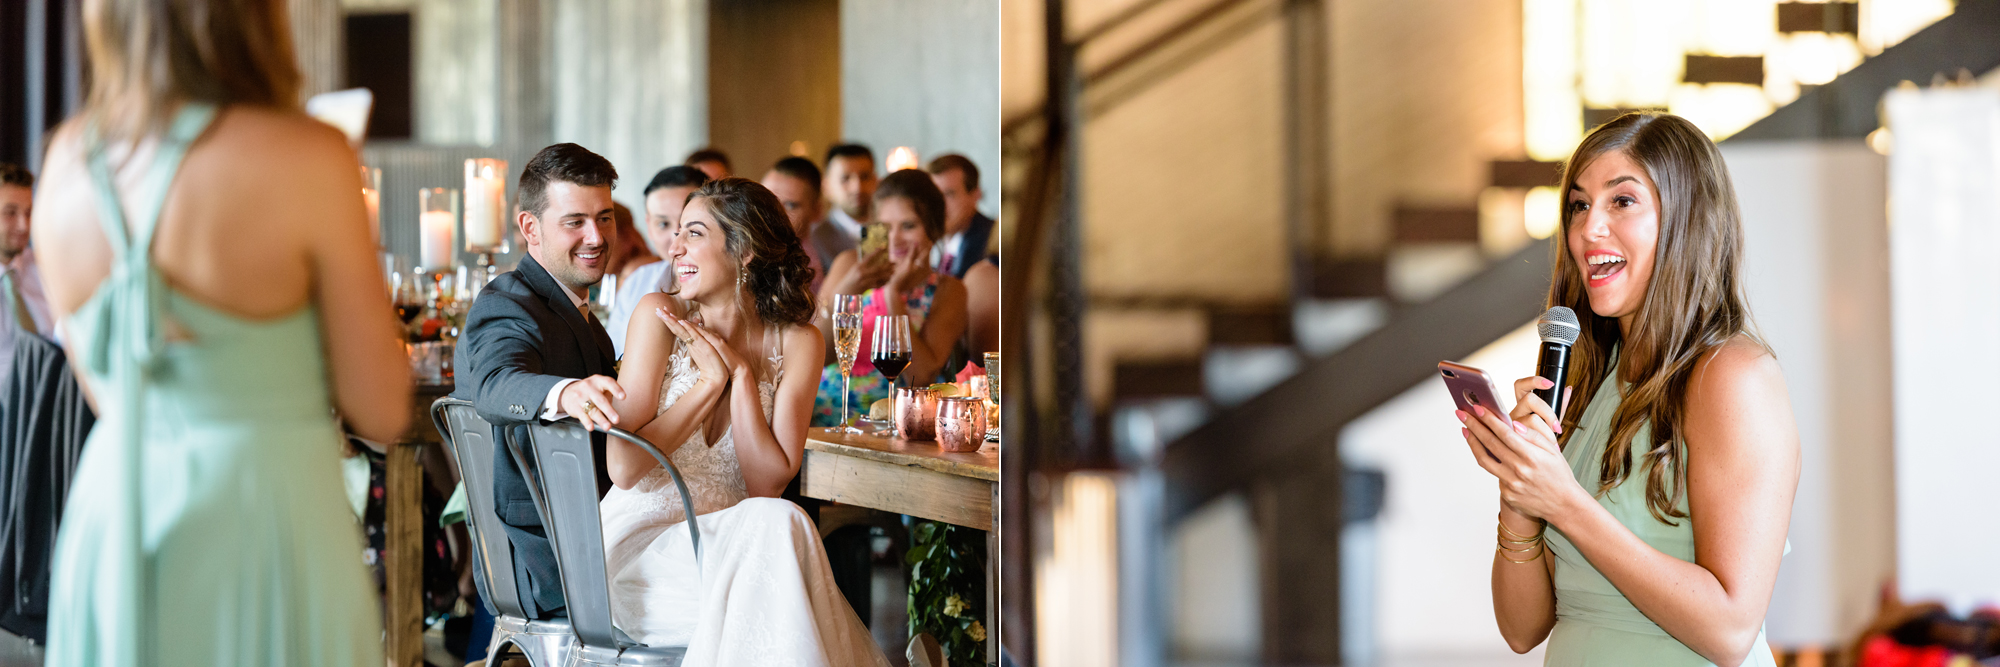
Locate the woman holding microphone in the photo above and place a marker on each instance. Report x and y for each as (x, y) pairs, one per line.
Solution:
(1647, 527)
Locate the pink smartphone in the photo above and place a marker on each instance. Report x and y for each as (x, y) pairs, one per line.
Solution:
(1471, 387)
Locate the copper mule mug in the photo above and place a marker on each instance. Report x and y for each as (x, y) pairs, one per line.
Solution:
(961, 423)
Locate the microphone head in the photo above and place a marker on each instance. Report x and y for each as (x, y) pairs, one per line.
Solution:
(1559, 325)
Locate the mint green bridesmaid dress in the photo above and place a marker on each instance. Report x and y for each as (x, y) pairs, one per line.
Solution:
(1595, 624)
(206, 524)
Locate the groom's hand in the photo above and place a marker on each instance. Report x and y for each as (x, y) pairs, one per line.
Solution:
(589, 401)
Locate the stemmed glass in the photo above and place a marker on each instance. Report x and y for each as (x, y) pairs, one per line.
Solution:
(846, 343)
(993, 390)
(890, 348)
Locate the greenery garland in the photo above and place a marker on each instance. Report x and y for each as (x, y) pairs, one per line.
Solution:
(948, 588)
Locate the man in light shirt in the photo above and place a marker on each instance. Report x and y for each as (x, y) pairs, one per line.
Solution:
(18, 272)
(665, 195)
(850, 187)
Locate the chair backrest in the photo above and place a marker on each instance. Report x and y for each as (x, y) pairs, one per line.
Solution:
(569, 488)
(471, 440)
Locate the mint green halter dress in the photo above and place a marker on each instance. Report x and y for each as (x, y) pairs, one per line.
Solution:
(206, 524)
(1595, 624)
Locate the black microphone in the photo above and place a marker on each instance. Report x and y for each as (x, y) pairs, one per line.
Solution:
(1559, 329)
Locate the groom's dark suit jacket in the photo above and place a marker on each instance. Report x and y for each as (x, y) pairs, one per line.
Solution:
(521, 338)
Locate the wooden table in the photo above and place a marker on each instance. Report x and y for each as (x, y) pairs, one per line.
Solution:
(403, 532)
(914, 478)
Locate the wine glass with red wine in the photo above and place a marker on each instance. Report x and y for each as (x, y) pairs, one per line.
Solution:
(891, 349)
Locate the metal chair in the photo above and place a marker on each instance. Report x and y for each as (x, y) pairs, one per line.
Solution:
(545, 642)
(568, 481)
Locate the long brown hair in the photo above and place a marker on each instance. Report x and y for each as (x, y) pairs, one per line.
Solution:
(149, 56)
(1693, 304)
(754, 223)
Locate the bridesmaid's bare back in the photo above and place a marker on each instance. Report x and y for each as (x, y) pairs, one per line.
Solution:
(257, 198)
(263, 218)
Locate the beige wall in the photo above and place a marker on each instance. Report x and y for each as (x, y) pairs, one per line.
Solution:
(1183, 193)
(1425, 93)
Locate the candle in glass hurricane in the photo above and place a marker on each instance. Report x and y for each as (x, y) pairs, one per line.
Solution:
(371, 198)
(916, 413)
(485, 204)
(434, 225)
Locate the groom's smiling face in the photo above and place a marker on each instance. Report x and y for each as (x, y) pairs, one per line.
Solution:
(572, 235)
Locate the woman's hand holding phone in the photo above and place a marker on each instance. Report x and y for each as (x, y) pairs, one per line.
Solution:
(1523, 454)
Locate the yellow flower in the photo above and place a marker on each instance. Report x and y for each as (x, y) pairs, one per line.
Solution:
(976, 631)
(953, 606)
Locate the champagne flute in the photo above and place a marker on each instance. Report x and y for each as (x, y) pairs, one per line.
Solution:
(890, 349)
(846, 344)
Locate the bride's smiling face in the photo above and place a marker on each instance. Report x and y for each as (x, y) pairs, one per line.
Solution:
(700, 253)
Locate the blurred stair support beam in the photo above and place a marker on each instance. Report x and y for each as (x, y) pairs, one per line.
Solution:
(1827, 17)
(1361, 278)
(1250, 349)
(1171, 378)
(1431, 224)
(1846, 107)
(1298, 515)
(1308, 129)
(1302, 417)
(1524, 173)
(1038, 424)
(1724, 69)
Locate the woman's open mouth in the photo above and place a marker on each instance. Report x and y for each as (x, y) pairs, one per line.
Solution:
(1603, 267)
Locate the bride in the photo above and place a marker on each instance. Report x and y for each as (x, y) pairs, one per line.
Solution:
(723, 381)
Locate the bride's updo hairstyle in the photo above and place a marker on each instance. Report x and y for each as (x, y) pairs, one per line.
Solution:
(1693, 304)
(754, 224)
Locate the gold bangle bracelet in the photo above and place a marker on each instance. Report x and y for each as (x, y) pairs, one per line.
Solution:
(1535, 540)
(1518, 537)
(1529, 559)
(1531, 546)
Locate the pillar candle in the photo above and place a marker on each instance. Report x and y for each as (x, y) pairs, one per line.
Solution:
(485, 211)
(373, 200)
(435, 241)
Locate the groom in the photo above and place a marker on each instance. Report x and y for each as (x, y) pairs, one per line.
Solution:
(532, 350)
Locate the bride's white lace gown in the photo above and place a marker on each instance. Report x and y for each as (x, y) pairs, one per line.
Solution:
(763, 594)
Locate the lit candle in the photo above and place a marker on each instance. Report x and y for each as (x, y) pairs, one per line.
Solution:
(485, 204)
(435, 244)
(903, 157)
(373, 200)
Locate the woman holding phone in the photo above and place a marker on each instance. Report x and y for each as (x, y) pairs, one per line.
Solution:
(1647, 527)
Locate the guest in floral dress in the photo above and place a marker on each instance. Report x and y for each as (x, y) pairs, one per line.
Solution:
(896, 280)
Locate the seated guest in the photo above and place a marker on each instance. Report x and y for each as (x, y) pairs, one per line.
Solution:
(665, 195)
(714, 163)
(629, 251)
(720, 377)
(982, 311)
(850, 187)
(896, 281)
(968, 234)
(18, 272)
(531, 349)
(796, 182)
